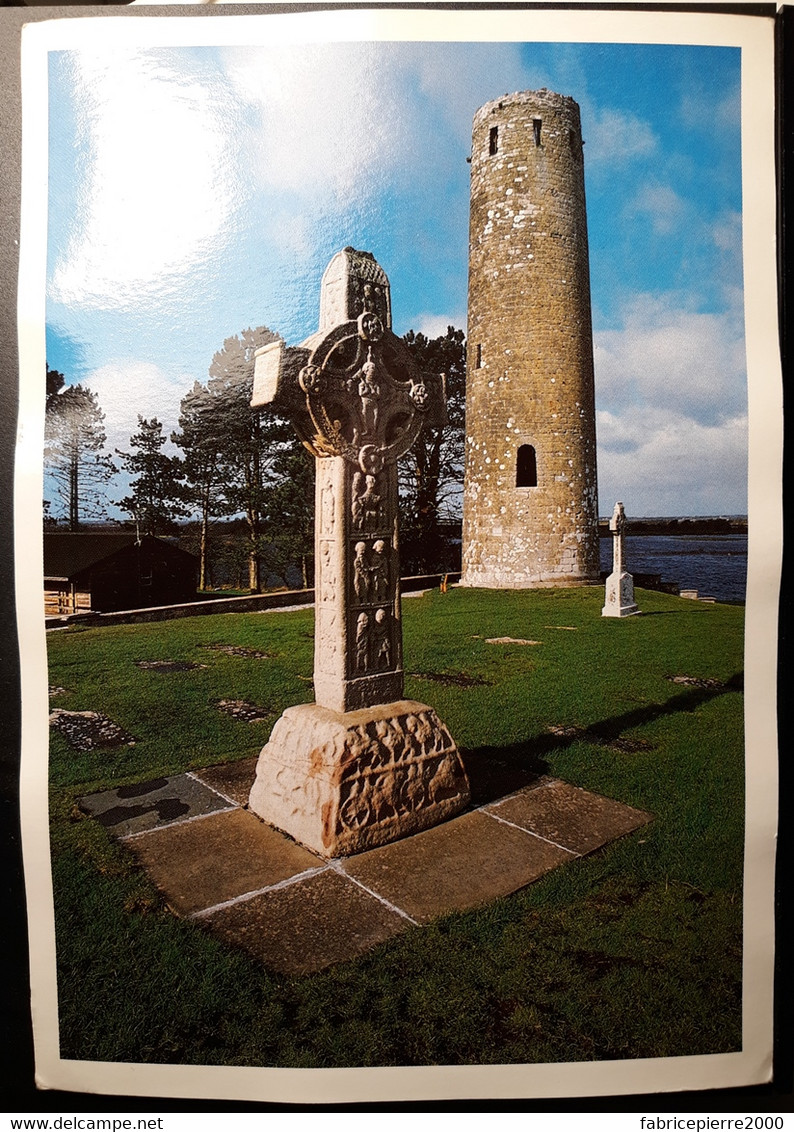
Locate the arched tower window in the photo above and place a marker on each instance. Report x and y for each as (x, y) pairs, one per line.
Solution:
(493, 140)
(526, 467)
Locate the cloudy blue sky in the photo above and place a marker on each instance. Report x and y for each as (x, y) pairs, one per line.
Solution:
(198, 191)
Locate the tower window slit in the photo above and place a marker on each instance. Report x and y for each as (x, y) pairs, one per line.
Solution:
(526, 467)
(478, 357)
(536, 124)
(493, 141)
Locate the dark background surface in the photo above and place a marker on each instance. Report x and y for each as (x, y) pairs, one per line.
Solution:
(17, 1087)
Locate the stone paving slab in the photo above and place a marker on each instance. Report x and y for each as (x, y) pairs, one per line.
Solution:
(198, 864)
(146, 805)
(306, 926)
(233, 780)
(470, 860)
(569, 816)
(257, 889)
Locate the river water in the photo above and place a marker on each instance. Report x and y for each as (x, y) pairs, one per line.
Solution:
(714, 565)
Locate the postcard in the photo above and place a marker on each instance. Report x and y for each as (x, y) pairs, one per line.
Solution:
(398, 542)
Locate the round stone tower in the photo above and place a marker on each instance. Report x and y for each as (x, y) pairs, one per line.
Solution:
(530, 507)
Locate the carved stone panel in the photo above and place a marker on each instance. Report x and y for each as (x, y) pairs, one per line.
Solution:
(368, 505)
(358, 655)
(329, 576)
(619, 596)
(342, 784)
(363, 395)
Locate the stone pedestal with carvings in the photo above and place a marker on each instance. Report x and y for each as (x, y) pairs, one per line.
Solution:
(362, 766)
(340, 782)
(619, 597)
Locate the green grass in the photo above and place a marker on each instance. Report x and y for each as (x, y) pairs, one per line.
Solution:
(632, 952)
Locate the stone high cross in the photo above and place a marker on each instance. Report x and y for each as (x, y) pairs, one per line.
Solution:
(620, 584)
(358, 402)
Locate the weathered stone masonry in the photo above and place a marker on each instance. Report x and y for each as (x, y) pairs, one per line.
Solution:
(530, 515)
(362, 766)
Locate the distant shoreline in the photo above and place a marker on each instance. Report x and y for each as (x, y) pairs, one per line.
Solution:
(705, 525)
(671, 525)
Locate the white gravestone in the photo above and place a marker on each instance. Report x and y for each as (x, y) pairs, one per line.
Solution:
(620, 584)
(362, 766)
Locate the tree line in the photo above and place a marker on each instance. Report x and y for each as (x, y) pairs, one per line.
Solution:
(240, 493)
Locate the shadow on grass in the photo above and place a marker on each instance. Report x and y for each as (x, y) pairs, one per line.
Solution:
(496, 771)
(674, 612)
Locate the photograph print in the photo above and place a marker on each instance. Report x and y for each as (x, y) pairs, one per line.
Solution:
(395, 410)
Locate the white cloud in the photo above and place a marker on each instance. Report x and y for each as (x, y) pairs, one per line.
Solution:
(350, 120)
(435, 325)
(726, 232)
(329, 119)
(456, 78)
(157, 189)
(699, 111)
(661, 205)
(127, 388)
(667, 356)
(615, 136)
(664, 463)
(671, 394)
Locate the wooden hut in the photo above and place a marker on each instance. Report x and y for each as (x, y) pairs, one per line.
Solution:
(103, 571)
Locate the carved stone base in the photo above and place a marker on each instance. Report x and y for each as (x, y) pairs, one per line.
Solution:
(619, 596)
(340, 783)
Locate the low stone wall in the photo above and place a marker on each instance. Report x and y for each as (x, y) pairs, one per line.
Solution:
(696, 526)
(655, 582)
(247, 604)
(252, 603)
(649, 582)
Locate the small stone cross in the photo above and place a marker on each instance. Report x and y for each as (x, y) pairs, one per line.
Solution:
(619, 600)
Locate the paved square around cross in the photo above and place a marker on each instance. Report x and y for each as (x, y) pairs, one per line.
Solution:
(218, 864)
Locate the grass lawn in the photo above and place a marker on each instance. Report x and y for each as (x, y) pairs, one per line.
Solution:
(634, 951)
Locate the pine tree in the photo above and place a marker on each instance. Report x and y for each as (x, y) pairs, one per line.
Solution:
(250, 441)
(431, 473)
(74, 437)
(156, 496)
(202, 439)
(55, 383)
(288, 518)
